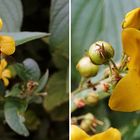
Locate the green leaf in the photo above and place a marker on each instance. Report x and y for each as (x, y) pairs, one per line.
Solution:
(137, 132)
(29, 70)
(131, 131)
(60, 58)
(11, 14)
(12, 111)
(129, 124)
(15, 91)
(32, 121)
(23, 37)
(97, 20)
(56, 89)
(33, 68)
(42, 82)
(60, 113)
(120, 119)
(59, 23)
(21, 71)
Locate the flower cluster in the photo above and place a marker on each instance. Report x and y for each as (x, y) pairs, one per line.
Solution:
(125, 96)
(7, 47)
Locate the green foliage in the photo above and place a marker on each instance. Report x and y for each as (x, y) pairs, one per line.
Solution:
(32, 121)
(13, 110)
(26, 73)
(60, 57)
(60, 113)
(42, 82)
(56, 91)
(97, 20)
(59, 24)
(32, 67)
(57, 87)
(12, 14)
(15, 91)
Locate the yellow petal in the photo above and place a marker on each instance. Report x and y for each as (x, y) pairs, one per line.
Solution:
(125, 96)
(0, 72)
(131, 46)
(110, 134)
(132, 19)
(78, 134)
(3, 64)
(7, 45)
(6, 73)
(6, 81)
(1, 23)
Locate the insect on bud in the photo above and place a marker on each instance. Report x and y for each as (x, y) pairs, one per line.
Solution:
(100, 52)
(86, 68)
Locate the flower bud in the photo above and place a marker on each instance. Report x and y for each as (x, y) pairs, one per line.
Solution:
(89, 116)
(86, 125)
(87, 122)
(100, 52)
(92, 99)
(86, 68)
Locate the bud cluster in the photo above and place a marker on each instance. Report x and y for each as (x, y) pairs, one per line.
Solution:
(99, 53)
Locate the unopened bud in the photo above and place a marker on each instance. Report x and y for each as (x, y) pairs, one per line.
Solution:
(86, 68)
(92, 99)
(100, 52)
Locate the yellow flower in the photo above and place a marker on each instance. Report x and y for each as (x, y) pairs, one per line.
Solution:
(110, 134)
(132, 19)
(7, 43)
(4, 73)
(126, 96)
(1, 23)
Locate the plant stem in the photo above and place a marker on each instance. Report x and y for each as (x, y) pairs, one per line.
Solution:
(86, 91)
(110, 69)
(114, 65)
(80, 87)
(123, 62)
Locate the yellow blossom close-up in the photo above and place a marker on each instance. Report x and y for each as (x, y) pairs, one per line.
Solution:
(132, 19)
(125, 96)
(110, 134)
(5, 73)
(7, 43)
